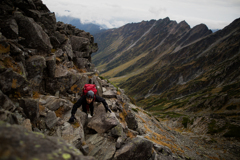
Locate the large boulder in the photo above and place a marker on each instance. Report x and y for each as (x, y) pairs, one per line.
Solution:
(8, 117)
(60, 37)
(19, 143)
(40, 6)
(35, 66)
(137, 148)
(73, 133)
(14, 84)
(6, 103)
(49, 22)
(22, 4)
(33, 33)
(131, 121)
(101, 147)
(102, 121)
(10, 29)
(30, 107)
(79, 43)
(51, 119)
(83, 63)
(67, 48)
(65, 81)
(97, 81)
(51, 65)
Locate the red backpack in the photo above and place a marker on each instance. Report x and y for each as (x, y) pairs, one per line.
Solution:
(88, 87)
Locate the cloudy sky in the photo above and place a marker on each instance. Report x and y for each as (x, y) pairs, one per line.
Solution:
(216, 14)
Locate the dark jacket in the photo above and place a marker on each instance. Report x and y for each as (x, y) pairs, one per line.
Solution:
(82, 101)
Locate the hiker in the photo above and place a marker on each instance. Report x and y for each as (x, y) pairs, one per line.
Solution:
(87, 103)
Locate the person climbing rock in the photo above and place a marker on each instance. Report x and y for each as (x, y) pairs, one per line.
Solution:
(87, 103)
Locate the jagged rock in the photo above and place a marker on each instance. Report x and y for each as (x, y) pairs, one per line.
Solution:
(8, 117)
(23, 5)
(59, 53)
(73, 133)
(81, 54)
(79, 43)
(6, 103)
(102, 121)
(16, 50)
(55, 42)
(66, 47)
(131, 121)
(117, 131)
(109, 94)
(49, 22)
(137, 148)
(27, 124)
(101, 147)
(60, 37)
(51, 65)
(120, 142)
(35, 145)
(30, 107)
(69, 64)
(98, 84)
(10, 29)
(40, 6)
(34, 35)
(82, 63)
(14, 84)
(65, 81)
(35, 66)
(82, 117)
(163, 150)
(53, 103)
(51, 119)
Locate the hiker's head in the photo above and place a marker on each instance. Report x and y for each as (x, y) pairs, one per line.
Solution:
(89, 96)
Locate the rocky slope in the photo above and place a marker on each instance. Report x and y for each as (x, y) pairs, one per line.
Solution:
(43, 66)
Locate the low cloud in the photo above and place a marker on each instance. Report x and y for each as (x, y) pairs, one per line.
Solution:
(214, 13)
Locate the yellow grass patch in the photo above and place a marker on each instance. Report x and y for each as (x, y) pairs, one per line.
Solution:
(17, 95)
(4, 49)
(36, 95)
(10, 63)
(14, 83)
(120, 68)
(41, 108)
(216, 90)
(130, 135)
(59, 112)
(141, 118)
(75, 125)
(75, 89)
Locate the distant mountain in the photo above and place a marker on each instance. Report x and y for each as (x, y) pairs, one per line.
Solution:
(88, 27)
(214, 30)
(169, 67)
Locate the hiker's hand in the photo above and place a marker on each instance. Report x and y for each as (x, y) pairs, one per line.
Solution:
(108, 110)
(71, 120)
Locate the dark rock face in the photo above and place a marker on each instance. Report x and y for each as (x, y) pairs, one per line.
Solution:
(131, 121)
(14, 84)
(35, 66)
(102, 121)
(34, 35)
(30, 108)
(136, 148)
(10, 28)
(27, 145)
